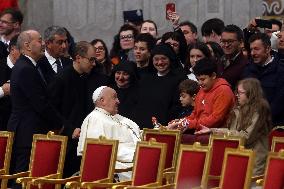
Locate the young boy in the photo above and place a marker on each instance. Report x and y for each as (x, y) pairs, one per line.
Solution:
(213, 101)
(188, 90)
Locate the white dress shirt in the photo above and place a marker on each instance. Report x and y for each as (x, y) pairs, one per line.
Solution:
(52, 61)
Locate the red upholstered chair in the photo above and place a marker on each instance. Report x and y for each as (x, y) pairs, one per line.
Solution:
(6, 143)
(171, 138)
(237, 169)
(277, 144)
(219, 143)
(276, 132)
(98, 163)
(274, 172)
(47, 159)
(148, 167)
(192, 168)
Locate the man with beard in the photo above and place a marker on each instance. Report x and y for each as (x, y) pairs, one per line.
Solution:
(10, 24)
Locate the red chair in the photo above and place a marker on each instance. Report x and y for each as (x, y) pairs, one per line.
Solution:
(274, 172)
(276, 132)
(6, 143)
(98, 163)
(219, 143)
(47, 159)
(169, 137)
(148, 167)
(237, 169)
(192, 168)
(277, 144)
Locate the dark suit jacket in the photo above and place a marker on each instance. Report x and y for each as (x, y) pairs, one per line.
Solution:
(31, 111)
(47, 70)
(67, 92)
(5, 102)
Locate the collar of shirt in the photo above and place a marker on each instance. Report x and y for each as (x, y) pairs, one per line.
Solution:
(268, 61)
(4, 40)
(227, 61)
(9, 62)
(50, 59)
(102, 111)
(33, 61)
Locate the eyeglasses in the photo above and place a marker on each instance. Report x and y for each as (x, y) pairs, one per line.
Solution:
(91, 60)
(228, 42)
(99, 49)
(238, 93)
(174, 45)
(6, 22)
(130, 36)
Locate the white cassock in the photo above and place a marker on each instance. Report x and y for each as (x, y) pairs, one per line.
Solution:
(100, 123)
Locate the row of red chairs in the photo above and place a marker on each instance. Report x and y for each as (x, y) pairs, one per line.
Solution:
(191, 166)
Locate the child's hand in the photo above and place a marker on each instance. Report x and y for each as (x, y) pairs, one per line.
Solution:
(173, 125)
(203, 130)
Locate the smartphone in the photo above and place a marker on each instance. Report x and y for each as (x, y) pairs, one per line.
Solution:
(170, 7)
(263, 23)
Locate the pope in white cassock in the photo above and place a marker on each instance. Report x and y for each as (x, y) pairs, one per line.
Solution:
(105, 121)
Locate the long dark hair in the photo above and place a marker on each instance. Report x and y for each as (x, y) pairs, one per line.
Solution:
(107, 63)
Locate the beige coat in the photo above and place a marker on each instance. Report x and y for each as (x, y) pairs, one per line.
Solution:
(255, 139)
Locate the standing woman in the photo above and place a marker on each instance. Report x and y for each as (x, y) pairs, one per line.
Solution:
(123, 44)
(251, 119)
(124, 82)
(149, 26)
(103, 62)
(158, 93)
(196, 51)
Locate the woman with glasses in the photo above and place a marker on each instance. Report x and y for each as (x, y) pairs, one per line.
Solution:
(103, 62)
(123, 44)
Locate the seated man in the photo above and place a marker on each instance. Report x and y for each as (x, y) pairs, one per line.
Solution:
(213, 101)
(105, 121)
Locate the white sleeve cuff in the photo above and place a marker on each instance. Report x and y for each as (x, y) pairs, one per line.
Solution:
(1, 92)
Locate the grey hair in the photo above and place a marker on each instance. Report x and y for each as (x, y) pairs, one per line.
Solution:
(51, 31)
(24, 37)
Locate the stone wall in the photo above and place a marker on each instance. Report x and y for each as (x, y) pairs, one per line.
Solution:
(89, 19)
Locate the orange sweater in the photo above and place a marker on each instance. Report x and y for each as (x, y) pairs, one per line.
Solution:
(212, 107)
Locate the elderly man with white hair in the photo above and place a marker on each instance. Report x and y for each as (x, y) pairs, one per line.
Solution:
(104, 120)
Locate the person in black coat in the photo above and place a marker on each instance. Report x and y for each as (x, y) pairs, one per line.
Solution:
(124, 82)
(158, 94)
(269, 71)
(53, 61)
(32, 113)
(67, 92)
(6, 65)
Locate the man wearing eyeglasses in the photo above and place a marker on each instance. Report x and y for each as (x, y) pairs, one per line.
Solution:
(233, 62)
(10, 24)
(67, 92)
(55, 38)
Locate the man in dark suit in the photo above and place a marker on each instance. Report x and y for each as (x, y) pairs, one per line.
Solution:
(67, 92)
(6, 65)
(56, 45)
(31, 111)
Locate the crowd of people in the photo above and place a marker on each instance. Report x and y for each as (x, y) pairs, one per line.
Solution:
(231, 79)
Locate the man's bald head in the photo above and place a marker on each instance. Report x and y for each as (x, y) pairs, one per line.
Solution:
(30, 43)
